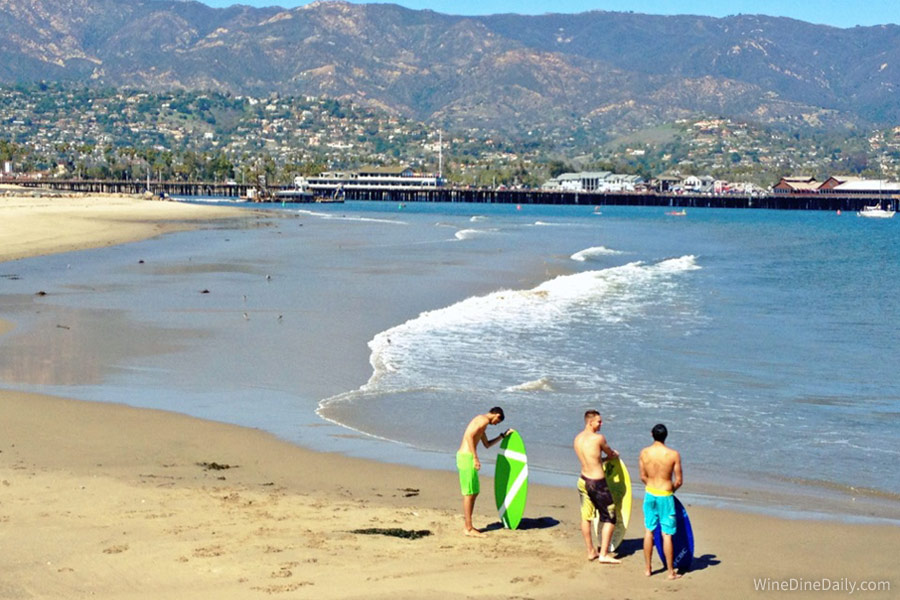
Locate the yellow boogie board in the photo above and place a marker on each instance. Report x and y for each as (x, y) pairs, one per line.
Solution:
(619, 483)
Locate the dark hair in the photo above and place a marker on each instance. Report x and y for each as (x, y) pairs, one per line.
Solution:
(659, 432)
(498, 411)
(590, 414)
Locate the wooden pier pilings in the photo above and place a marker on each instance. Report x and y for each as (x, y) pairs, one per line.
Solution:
(781, 201)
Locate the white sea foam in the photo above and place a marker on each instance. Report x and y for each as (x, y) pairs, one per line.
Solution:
(440, 346)
(544, 384)
(468, 234)
(593, 253)
(681, 263)
(552, 224)
(476, 218)
(329, 216)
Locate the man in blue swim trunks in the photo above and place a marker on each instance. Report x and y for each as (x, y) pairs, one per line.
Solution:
(467, 462)
(661, 474)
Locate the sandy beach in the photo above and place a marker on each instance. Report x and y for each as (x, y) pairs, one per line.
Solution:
(115, 502)
(37, 223)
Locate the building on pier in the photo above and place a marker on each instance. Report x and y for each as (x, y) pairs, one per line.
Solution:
(373, 178)
(593, 181)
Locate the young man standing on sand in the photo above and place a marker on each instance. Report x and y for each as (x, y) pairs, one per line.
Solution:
(595, 495)
(659, 464)
(467, 462)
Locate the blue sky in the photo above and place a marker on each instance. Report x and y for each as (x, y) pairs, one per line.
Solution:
(838, 13)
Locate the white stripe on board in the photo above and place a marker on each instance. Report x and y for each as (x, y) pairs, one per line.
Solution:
(513, 455)
(511, 494)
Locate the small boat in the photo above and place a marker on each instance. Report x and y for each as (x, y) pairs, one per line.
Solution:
(875, 212)
(677, 213)
(295, 195)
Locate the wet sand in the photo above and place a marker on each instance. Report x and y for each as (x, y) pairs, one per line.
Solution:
(115, 502)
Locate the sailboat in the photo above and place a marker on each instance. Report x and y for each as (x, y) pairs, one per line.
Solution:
(875, 212)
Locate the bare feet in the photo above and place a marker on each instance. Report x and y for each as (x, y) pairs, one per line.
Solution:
(608, 560)
(674, 576)
(648, 572)
(474, 533)
(593, 557)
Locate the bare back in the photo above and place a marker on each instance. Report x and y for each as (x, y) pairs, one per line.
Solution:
(589, 447)
(661, 467)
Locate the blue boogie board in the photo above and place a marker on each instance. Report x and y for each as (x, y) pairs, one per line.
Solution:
(682, 541)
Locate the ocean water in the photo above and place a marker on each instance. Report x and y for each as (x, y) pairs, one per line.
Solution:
(766, 341)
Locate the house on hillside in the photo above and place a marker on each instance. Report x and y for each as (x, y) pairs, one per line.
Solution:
(796, 185)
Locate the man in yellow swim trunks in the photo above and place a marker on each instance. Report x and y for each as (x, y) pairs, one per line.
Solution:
(467, 462)
(659, 465)
(590, 445)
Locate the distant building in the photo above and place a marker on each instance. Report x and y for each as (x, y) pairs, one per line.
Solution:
(593, 181)
(796, 184)
(373, 177)
(836, 180)
(389, 171)
(696, 184)
(667, 182)
(836, 184)
(868, 186)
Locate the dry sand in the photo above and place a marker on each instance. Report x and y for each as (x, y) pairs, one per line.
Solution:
(107, 501)
(39, 223)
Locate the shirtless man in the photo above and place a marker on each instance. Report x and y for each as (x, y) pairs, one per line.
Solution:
(659, 464)
(467, 462)
(595, 495)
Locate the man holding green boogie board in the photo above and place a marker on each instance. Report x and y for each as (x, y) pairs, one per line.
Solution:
(467, 462)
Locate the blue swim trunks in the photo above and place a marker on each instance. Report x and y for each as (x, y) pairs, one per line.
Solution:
(659, 510)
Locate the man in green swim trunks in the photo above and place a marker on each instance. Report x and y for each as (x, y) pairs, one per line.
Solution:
(468, 464)
(659, 465)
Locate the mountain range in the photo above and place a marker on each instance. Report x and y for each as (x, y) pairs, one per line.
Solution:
(619, 71)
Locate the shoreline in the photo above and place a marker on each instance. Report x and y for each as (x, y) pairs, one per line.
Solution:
(96, 220)
(109, 499)
(100, 498)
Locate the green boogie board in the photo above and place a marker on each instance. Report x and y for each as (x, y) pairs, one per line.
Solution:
(511, 480)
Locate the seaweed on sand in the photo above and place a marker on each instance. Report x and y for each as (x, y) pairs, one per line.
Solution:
(409, 534)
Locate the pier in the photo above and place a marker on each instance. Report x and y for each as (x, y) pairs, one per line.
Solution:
(779, 201)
